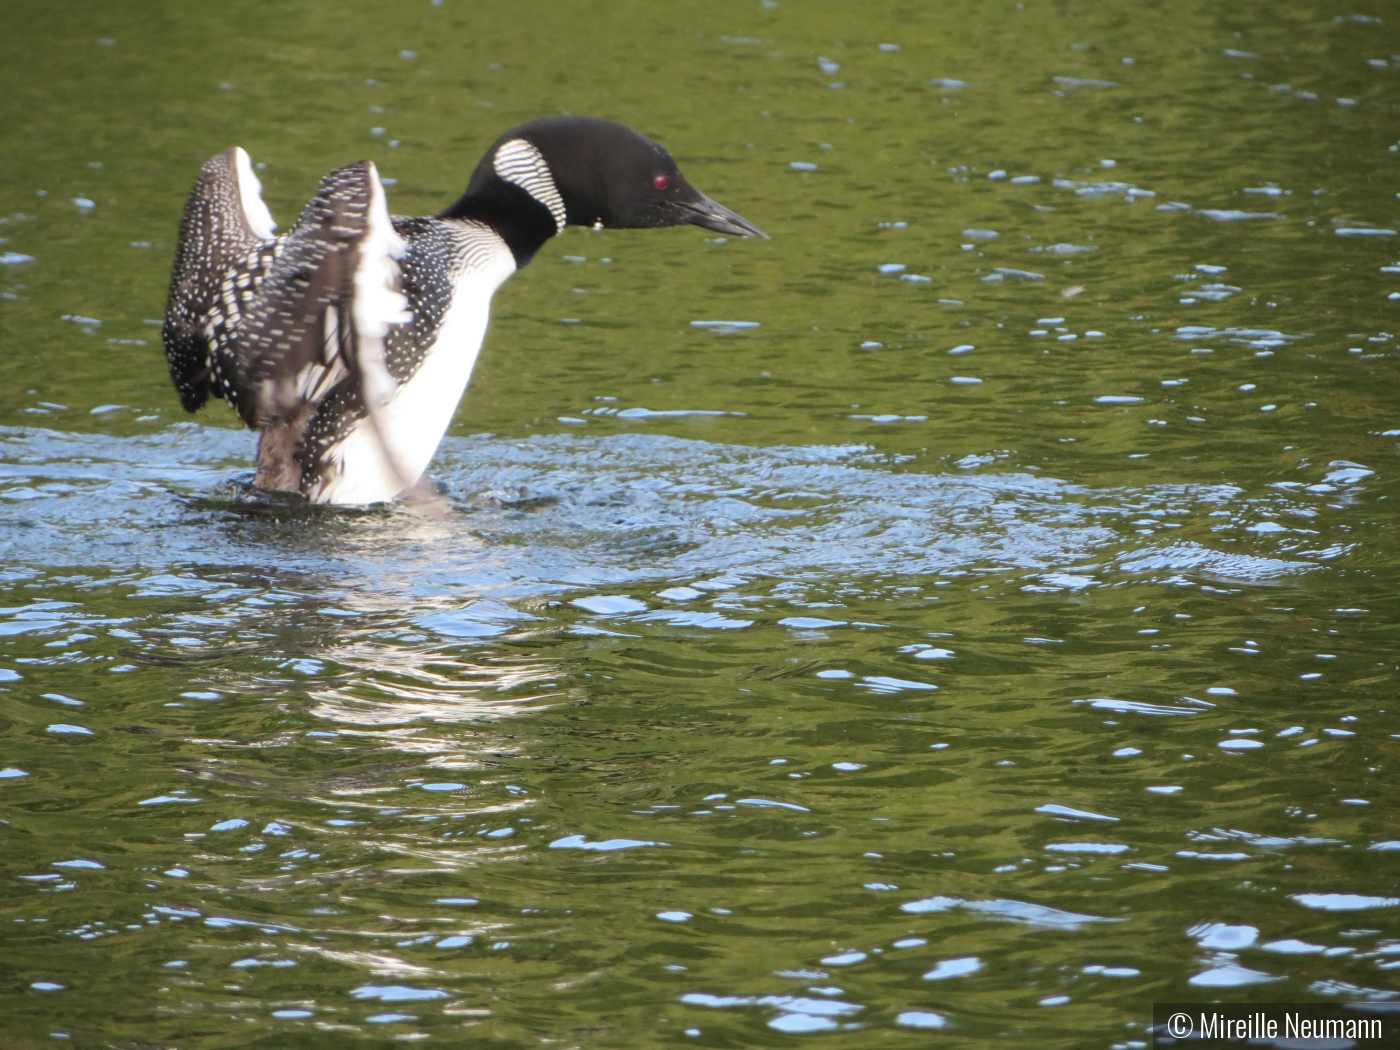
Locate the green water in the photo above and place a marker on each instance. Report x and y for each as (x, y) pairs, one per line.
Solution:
(642, 747)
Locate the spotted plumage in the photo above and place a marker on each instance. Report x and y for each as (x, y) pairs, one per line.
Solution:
(349, 340)
(218, 238)
(446, 262)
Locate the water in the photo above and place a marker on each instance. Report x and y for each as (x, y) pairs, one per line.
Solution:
(815, 653)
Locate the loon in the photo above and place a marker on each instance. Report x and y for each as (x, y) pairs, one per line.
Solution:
(349, 340)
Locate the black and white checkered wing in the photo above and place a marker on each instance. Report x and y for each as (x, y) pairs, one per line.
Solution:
(226, 230)
(322, 311)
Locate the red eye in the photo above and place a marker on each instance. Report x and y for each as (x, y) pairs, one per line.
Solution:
(661, 182)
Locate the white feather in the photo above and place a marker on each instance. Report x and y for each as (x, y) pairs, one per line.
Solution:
(255, 212)
(378, 304)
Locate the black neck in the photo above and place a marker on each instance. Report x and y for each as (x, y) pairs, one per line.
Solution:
(522, 222)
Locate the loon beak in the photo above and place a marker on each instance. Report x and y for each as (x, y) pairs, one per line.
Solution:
(715, 216)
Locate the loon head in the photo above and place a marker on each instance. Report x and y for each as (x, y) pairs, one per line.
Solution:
(582, 171)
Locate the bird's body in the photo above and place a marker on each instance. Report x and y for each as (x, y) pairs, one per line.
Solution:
(349, 340)
(451, 269)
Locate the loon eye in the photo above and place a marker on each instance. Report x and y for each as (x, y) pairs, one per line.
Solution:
(661, 182)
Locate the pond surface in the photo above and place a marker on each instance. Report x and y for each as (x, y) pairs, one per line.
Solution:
(993, 635)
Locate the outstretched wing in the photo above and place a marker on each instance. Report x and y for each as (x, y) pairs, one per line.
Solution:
(324, 307)
(225, 220)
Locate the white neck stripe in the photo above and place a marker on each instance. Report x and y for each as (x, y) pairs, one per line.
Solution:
(521, 164)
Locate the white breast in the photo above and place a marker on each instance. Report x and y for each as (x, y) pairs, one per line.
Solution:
(386, 453)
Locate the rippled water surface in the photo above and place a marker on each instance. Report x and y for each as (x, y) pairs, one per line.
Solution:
(993, 633)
